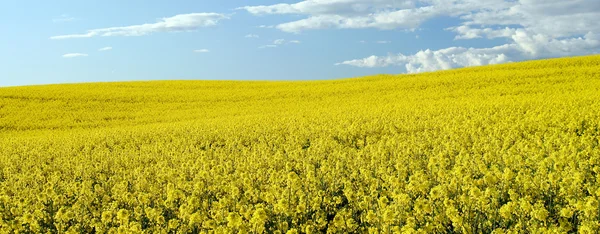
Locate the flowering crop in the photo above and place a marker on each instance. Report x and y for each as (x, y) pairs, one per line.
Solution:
(508, 148)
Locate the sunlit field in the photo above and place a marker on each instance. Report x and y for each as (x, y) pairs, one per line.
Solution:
(503, 148)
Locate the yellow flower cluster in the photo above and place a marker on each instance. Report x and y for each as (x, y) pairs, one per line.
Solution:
(509, 148)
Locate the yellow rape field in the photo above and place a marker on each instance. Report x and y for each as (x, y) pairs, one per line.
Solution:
(510, 148)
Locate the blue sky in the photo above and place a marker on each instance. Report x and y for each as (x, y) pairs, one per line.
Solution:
(83, 41)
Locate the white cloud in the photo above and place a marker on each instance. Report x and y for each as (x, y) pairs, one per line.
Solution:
(201, 51)
(353, 14)
(177, 23)
(553, 17)
(105, 48)
(556, 18)
(72, 36)
(267, 46)
(329, 7)
(74, 55)
(428, 60)
(376, 42)
(63, 18)
(406, 19)
(466, 32)
(279, 41)
(251, 36)
(531, 28)
(526, 45)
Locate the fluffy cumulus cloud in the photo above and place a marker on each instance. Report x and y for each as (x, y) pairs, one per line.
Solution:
(525, 46)
(177, 23)
(532, 28)
(428, 60)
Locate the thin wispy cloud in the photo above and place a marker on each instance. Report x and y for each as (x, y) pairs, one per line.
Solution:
(177, 23)
(343, 14)
(105, 48)
(376, 42)
(251, 36)
(279, 41)
(74, 55)
(267, 46)
(201, 51)
(63, 18)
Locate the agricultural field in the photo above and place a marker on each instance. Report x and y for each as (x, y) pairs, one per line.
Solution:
(511, 148)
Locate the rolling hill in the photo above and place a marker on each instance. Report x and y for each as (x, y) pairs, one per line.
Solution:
(512, 147)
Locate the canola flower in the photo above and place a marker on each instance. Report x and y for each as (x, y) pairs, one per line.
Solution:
(511, 148)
